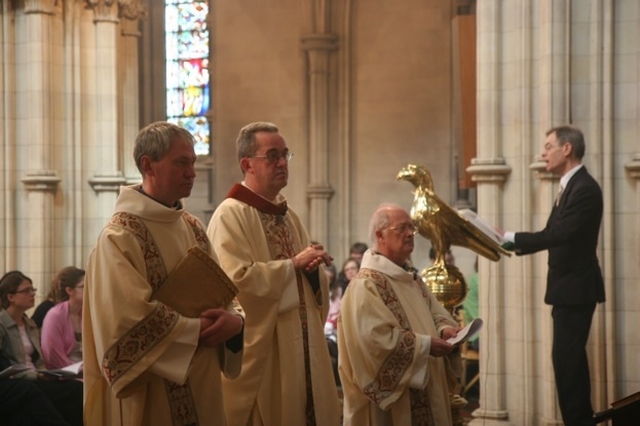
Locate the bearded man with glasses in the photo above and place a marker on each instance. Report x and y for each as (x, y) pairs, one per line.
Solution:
(261, 244)
(394, 361)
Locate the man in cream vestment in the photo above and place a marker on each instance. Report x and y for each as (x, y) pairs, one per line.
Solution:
(392, 355)
(286, 376)
(144, 363)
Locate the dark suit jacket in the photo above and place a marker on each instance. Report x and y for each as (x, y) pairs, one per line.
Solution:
(571, 236)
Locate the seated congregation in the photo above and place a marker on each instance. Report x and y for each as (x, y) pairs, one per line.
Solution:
(33, 394)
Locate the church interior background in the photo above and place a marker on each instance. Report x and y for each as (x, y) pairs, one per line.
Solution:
(359, 89)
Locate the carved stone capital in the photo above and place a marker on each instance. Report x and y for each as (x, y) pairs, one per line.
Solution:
(319, 41)
(489, 170)
(107, 183)
(633, 166)
(539, 167)
(46, 7)
(320, 192)
(129, 28)
(42, 181)
(104, 10)
(131, 12)
(133, 9)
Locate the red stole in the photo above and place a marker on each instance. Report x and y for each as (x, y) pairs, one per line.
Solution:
(247, 196)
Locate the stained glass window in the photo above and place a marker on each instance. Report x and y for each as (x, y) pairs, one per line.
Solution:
(187, 51)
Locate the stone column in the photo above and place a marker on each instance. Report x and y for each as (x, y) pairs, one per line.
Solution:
(554, 108)
(490, 173)
(603, 150)
(555, 40)
(490, 170)
(108, 175)
(131, 11)
(8, 234)
(103, 149)
(319, 47)
(40, 179)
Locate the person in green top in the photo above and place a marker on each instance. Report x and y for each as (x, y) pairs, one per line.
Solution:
(470, 305)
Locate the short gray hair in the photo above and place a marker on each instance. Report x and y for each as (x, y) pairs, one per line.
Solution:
(571, 135)
(246, 144)
(380, 220)
(156, 139)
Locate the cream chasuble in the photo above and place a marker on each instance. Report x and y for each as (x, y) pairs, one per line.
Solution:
(384, 329)
(282, 312)
(142, 365)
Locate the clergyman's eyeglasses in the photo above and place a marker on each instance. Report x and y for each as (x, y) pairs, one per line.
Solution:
(404, 228)
(274, 156)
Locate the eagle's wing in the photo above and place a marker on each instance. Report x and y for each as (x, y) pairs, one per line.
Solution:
(460, 232)
(424, 214)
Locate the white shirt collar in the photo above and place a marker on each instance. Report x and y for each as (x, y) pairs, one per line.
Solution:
(378, 262)
(564, 180)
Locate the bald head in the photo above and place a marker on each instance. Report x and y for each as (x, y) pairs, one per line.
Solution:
(392, 231)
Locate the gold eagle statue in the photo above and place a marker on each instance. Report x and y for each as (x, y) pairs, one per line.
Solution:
(444, 227)
(441, 224)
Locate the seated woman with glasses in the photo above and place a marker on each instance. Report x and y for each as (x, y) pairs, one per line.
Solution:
(20, 346)
(62, 326)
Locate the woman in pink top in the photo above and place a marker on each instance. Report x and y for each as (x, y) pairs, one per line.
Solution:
(350, 268)
(61, 330)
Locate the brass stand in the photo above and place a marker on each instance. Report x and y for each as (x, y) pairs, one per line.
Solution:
(446, 282)
(446, 227)
(457, 404)
(448, 285)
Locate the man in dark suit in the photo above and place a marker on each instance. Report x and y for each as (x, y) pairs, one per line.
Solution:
(574, 279)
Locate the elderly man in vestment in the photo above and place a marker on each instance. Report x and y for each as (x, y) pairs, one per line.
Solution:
(395, 365)
(145, 363)
(262, 245)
